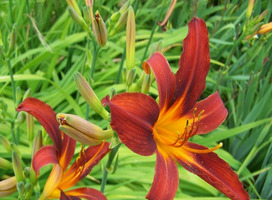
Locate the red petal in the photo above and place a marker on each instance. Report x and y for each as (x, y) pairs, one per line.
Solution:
(63, 196)
(213, 170)
(45, 155)
(214, 113)
(132, 117)
(164, 76)
(67, 152)
(45, 115)
(87, 193)
(166, 179)
(194, 65)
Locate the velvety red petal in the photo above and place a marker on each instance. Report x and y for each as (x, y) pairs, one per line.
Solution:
(132, 117)
(63, 196)
(194, 65)
(164, 77)
(214, 113)
(45, 115)
(166, 179)
(45, 155)
(213, 170)
(86, 193)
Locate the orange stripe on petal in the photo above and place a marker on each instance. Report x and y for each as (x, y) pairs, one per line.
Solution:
(164, 77)
(166, 179)
(132, 117)
(213, 170)
(194, 65)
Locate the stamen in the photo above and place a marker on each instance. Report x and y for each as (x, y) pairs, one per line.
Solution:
(201, 151)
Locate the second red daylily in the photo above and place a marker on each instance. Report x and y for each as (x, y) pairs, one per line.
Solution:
(60, 154)
(147, 128)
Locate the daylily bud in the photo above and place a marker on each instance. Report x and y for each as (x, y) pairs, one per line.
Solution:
(112, 93)
(249, 8)
(27, 93)
(99, 28)
(21, 117)
(7, 186)
(130, 76)
(90, 97)
(30, 127)
(37, 143)
(156, 48)
(73, 4)
(5, 164)
(17, 167)
(5, 143)
(87, 14)
(12, 41)
(78, 18)
(18, 94)
(115, 16)
(130, 50)
(265, 28)
(15, 148)
(146, 84)
(124, 75)
(21, 189)
(120, 23)
(140, 80)
(262, 15)
(82, 130)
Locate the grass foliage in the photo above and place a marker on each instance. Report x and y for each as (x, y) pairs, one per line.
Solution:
(50, 47)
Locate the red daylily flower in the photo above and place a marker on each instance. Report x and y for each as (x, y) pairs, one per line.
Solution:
(60, 154)
(147, 128)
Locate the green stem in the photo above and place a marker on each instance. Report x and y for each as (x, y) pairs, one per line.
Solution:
(151, 35)
(108, 165)
(12, 81)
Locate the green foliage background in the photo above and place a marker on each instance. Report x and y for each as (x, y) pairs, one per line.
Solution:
(50, 48)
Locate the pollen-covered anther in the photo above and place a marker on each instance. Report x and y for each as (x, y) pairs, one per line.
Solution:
(61, 119)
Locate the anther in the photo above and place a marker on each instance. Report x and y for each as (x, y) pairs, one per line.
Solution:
(201, 151)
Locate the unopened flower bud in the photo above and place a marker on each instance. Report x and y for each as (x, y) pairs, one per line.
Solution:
(37, 143)
(12, 41)
(99, 28)
(30, 127)
(120, 23)
(87, 15)
(21, 117)
(7, 186)
(262, 15)
(146, 84)
(124, 75)
(130, 76)
(90, 97)
(5, 164)
(5, 143)
(17, 167)
(73, 4)
(112, 93)
(130, 50)
(15, 148)
(27, 93)
(18, 94)
(78, 18)
(265, 28)
(140, 80)
(82, 130)
(20, 188)
(156, 48)
(249, 8)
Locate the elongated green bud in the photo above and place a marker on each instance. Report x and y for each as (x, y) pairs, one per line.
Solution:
(12, 41)
(99, 28)
(249, 8)
(30, 127)
(37, 143)
(146, 84)
(7, 186)
(140, 80)
(120, 23)
(21, 189)
(27, 93)
(78, 18)
(5, 143)
(90, 97)
(82, 130)
(5, 164)
(130, 50)
(124, 75)
(87, 15)
(21, 117)
(130, 76)
(17, 167)
(73, 4)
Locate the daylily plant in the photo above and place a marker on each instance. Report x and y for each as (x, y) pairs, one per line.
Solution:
(60, 155)
(165, 128)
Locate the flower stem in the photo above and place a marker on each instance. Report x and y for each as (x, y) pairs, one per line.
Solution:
(108, 165)
(152, 33)
(121, 66)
